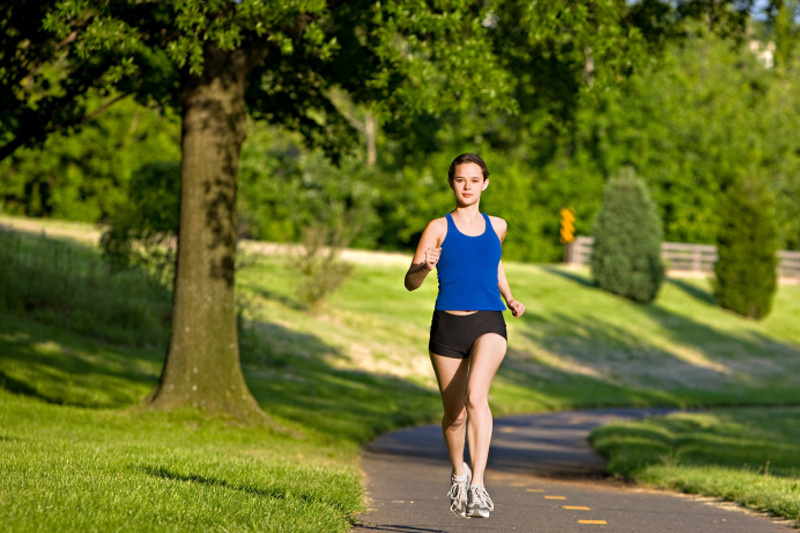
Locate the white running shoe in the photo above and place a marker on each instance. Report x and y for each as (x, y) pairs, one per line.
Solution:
(479, 504)
(458, 493)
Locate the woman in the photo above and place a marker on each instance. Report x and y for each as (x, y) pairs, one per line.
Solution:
(468, 333)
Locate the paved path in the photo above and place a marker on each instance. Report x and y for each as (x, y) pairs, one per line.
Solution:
(543, 477)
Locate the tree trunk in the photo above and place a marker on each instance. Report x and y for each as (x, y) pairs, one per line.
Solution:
(202, 367)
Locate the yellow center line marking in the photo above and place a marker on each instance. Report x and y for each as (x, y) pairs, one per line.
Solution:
(555, 497)
(518, 484)
(507, 429)
(534, 490)
(593, 522)
(576, 508)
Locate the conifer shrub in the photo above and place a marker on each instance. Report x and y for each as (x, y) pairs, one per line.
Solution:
(747, 244)
(626, 259)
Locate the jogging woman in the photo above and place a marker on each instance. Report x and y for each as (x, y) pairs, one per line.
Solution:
(468, 333)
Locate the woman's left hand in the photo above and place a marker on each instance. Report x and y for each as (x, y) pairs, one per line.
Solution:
(517, 309)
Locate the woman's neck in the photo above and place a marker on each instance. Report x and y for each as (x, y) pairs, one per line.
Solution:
(467, 213)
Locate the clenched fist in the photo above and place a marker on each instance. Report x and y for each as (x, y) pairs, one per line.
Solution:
(432, 257)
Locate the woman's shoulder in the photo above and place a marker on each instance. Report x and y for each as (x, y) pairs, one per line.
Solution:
(437, 226)
(499, 225)
(438, 223)
(497, 222)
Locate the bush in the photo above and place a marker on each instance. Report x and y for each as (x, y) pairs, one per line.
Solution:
(143, 228)
(747, 243)
(627, 250)
(319, 269)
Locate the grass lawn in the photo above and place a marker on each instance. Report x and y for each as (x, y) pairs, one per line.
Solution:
(749, 456)
(79, 350)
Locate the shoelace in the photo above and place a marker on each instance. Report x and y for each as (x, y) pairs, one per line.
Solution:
(457, 493)
(479, 495)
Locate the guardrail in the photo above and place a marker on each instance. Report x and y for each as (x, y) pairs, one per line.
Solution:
(686, 257)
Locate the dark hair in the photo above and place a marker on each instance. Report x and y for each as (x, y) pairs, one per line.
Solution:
(467, 158)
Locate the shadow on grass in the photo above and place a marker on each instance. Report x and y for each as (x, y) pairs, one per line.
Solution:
(577, 277)
(693, 290)
(289, 372)
(163, 473)
(20, 387)
(758, 440)
(275, 493)
(282, 299)
(586, 281)
(62, 367)
(700, 365)
(294, 376)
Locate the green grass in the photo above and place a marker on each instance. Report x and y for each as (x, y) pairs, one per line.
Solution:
(749, 456)
(78, 449)
(75, 469)
(66, 283)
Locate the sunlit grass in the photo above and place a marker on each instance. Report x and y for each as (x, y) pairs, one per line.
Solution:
(75, 469)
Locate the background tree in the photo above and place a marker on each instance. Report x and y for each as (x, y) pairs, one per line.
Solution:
(83, 175)
(626, 259)
(746, 275)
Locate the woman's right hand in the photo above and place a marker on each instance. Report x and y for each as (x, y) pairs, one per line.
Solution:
(432, 257)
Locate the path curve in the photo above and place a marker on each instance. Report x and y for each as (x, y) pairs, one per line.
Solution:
(543, 477)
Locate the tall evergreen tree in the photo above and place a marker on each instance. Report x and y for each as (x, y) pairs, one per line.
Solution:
(626, 259)
(746, 274)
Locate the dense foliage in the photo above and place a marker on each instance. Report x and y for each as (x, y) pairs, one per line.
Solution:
(746, 277)
(85, 175)
(626, 259)
(698, 110)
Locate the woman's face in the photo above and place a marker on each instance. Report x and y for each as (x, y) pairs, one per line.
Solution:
(468, 183)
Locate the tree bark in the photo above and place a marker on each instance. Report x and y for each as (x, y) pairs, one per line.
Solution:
(202, 368)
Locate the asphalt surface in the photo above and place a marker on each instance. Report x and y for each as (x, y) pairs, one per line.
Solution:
(542, 476)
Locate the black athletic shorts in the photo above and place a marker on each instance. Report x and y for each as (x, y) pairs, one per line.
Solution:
(453, 335)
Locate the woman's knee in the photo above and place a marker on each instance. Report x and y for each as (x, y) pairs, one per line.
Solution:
(476, 400)
(455, 418)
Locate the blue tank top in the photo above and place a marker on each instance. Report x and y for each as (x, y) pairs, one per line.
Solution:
(467, 270)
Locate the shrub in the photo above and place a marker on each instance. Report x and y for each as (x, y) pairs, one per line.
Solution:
(747, 243)
(319, 269)
(143, 228)
(627, 250)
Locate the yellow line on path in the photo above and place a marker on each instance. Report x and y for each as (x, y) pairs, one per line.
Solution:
(555, 497)
(593, 522)
(576, 508)
(534, 490)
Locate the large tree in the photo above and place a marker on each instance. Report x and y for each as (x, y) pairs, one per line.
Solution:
(281, 60)
(215, 60)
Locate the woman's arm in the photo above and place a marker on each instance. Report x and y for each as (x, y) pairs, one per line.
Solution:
(427, 254)
(517, 309)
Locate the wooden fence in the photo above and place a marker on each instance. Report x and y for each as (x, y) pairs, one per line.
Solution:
(680, 257)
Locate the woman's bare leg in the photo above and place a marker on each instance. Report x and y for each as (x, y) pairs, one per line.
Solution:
(451, 374)
(487, 354)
